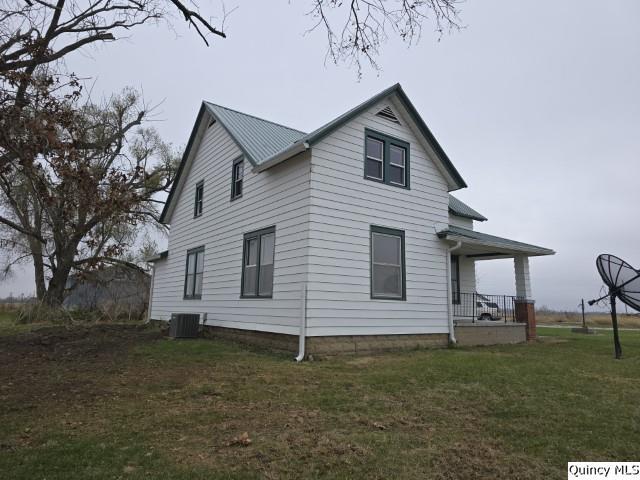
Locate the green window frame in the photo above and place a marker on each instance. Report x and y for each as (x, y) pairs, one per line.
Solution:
(258, 263)
(193, 273)
(199, 199)
(237, 178)
(386, 159)
(383, 268)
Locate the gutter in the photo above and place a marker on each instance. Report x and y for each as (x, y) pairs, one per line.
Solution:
(452, 332)
(283, 155)
(531, 250)
(302, 338)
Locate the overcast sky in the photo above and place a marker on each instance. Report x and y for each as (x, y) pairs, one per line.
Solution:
(537, 103)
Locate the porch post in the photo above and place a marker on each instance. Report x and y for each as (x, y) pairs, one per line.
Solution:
(525, 308)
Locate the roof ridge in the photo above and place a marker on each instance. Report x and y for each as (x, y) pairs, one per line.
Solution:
(256, 117)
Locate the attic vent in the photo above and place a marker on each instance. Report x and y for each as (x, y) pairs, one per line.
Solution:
(388, 114)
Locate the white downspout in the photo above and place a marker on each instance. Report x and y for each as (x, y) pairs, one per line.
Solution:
(303, 325)
(452, 332)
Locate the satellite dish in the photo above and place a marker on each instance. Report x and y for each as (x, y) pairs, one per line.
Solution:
(621, 278)
(624, 283)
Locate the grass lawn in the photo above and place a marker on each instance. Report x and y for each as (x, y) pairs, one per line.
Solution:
(122, 402)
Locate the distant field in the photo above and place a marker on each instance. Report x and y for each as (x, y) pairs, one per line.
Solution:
(593, 319)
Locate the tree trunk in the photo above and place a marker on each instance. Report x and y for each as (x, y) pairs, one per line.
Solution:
(38, 267)
(54, 296)
(38, 270)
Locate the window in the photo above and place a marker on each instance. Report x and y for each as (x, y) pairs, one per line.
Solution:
(257, 263)
(193, 273)
(374, 163)
(237, 174)
(455, 279)
(386, 159)
(397, 160)
(197, 207)
(387, 264)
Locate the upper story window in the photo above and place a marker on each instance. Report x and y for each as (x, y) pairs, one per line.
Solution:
(197, 206)
(237, 176)
(386, 159)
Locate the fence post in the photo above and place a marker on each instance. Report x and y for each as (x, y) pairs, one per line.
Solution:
(474, 313)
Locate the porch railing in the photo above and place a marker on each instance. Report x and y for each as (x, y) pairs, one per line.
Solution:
(477, 306)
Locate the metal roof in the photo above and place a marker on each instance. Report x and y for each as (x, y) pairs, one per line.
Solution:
(464, 234)
(259, 139)
(265, 143)
(337, 122)
(461, 209)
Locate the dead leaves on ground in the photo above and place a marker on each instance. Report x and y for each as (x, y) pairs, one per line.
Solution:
(242, 440)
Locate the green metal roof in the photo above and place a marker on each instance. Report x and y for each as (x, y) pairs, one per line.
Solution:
(461, 209)
(259, 139)
(336, 123)
(263, 141)
(459, 233)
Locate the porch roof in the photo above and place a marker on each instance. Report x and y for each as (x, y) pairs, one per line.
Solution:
(461, 209)
(484, 246)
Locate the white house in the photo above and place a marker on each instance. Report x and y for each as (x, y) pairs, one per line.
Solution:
(344, 239)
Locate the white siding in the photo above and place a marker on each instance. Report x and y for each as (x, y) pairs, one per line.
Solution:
(343, 207)
(467, 274)
(467, 265)
(277, 197)
(462, 222)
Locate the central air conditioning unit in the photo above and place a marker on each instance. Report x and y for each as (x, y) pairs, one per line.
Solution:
(184, 325)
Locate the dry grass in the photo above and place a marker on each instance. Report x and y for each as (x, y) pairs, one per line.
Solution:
(122, 402)
(592, 319)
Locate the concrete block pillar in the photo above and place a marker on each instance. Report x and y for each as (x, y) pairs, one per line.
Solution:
(525, 306)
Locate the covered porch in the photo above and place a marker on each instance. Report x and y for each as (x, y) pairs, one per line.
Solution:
(470, 309)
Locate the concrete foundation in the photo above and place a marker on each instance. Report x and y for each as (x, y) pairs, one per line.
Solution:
(482, 334)
(466, 335)
(325, 346)
(366, 344)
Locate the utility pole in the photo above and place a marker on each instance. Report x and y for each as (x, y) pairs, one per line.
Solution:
(583, 328)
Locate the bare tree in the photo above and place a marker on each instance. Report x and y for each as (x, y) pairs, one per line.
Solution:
(37, 32)
(35, 35)
(356, 29)
(84, 197)
(75, 179)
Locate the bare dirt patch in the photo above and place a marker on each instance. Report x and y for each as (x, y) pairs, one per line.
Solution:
(29, 360)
